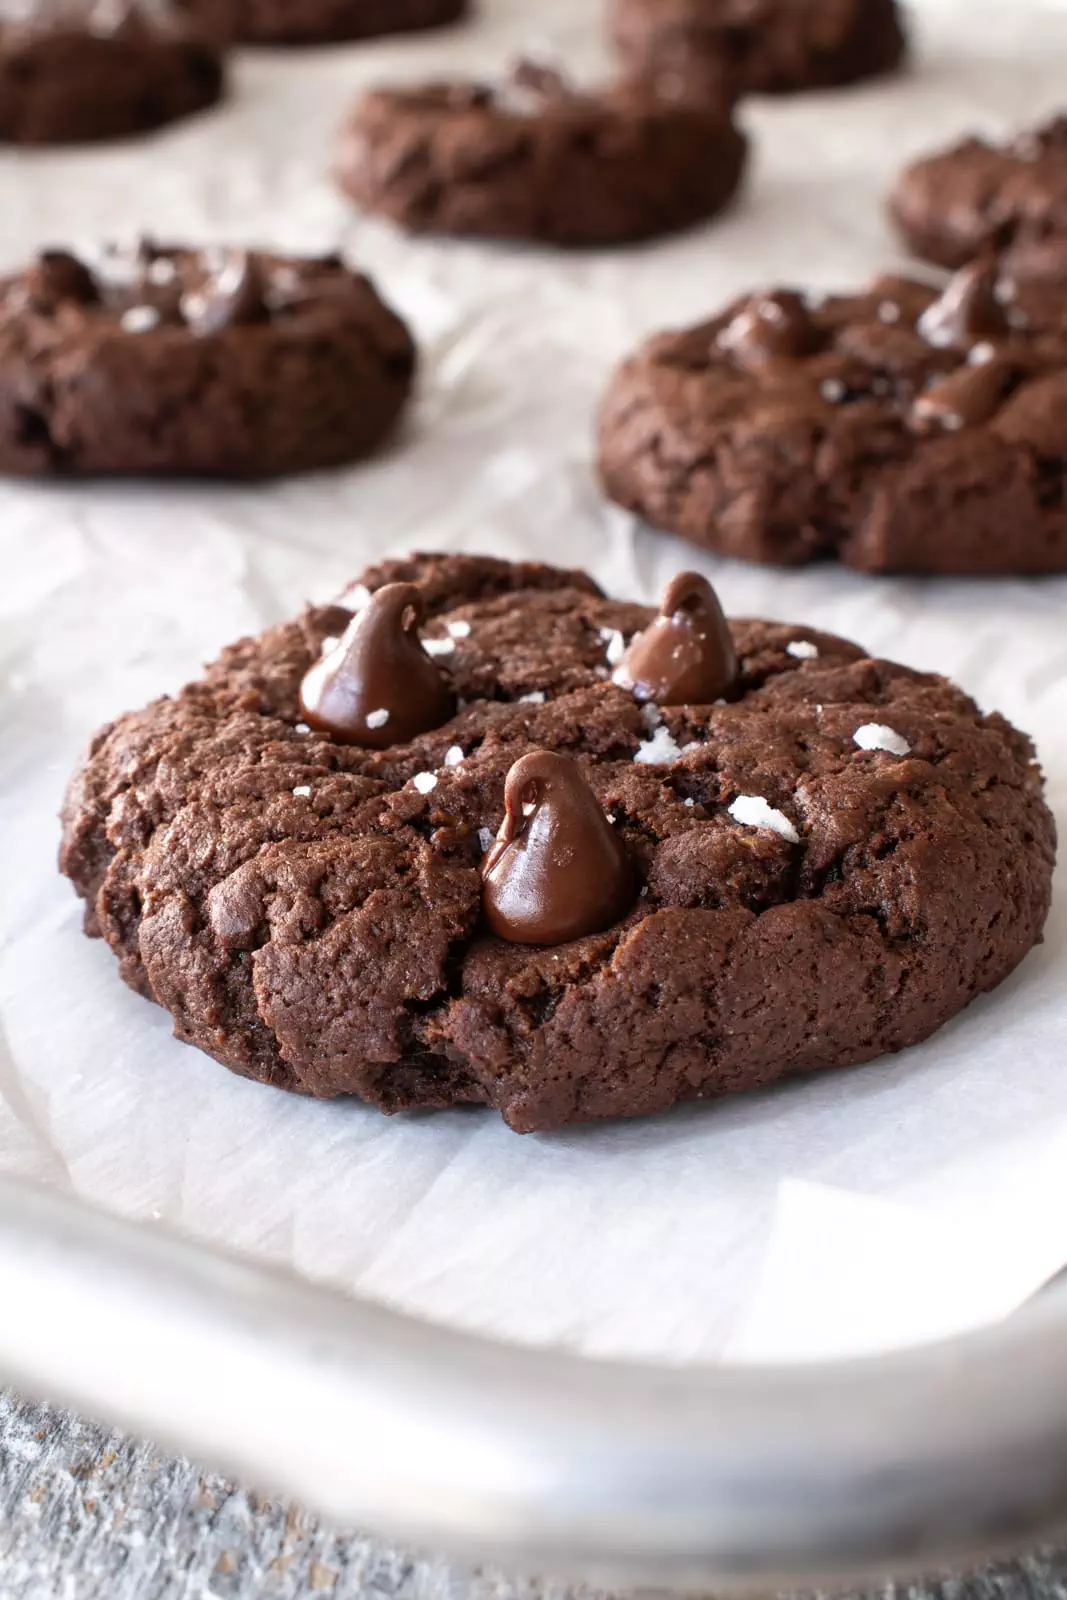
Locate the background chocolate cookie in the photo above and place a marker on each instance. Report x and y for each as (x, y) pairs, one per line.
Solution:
(327, 21)
(222, 362)
(81, 70)
(536, 159)
(977, 196)
(899, 429)
(824, 865)
(760, 46)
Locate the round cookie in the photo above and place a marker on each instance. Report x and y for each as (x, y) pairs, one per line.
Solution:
(172, 362)
(760, 46)
(978, 196)
(898, 429)
(330, 21)
(73, 71)
(825, 865)
(535, 159)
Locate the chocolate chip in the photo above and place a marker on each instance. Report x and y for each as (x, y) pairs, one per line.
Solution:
(56, 275)
(965, 399)
(686, 656)
(769, 327)
(377, 687)
(558, 871)
(233, 296)
(967, 310)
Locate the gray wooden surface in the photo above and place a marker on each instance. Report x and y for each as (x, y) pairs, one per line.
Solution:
(91, 1515)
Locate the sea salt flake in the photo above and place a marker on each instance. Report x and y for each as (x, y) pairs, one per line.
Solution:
(453, 755)
(302, 791)
(690, 801)
(485, 838)
(140, 319)
(752, 811)
(832, 389)
(650, 716)
(980, 354)
(615, 645)
(536, 697)
(802, 649)
(377, 719)
(424, 781)
(161, 271)
(889, 311)
(460, 630)
(659, 751)
(439, 647)
(302, 727)
(876, 736)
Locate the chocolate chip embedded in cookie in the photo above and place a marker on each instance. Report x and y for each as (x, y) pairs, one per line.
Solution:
(81, 70)
(534, 158)
(760, 46)
(902, 429)
(329, 21)
(229, 363)
(560, 902)
(978, 196)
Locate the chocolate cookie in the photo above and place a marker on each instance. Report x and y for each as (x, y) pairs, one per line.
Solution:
(760, 46)
(535, 159)
(567, 896)
(228, 363)
(978, 196)
(327, 21)
(899, 429)
(80, 70)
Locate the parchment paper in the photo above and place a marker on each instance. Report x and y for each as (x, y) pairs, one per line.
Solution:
(915, 1197)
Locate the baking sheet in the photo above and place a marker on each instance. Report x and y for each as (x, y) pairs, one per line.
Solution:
(910, 1199)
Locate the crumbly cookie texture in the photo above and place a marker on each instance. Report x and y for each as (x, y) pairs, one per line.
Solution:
(75, 71)
(827, 865)
(760, 46)
(331, 21)
(901, 429)
(533, 158)
(230, 363)
(979, 195)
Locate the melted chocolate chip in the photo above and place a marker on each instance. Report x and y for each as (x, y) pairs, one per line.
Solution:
(967, 310)
(377, 687)
(769, 327)
(56, 275)
(233, 296)
(686, 656)
(965, 399)
(557, 871)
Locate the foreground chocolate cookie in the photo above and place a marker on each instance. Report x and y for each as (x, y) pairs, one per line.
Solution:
(901, 430)
(825, 865)
(978, 196)
(330, 21)
(180, 362)
(536, 159)
(79, 70)
(760, 46)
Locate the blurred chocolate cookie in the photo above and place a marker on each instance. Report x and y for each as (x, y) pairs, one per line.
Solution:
(759, 46)
(330, 21)
(904, 429)
(535, 158)
(74, 71)
(178, 362)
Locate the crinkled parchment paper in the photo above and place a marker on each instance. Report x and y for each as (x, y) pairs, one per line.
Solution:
(915, 1197)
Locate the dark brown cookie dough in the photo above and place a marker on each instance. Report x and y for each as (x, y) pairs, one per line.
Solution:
(978, 196)
(330, 21)
(73, 71)
(826, 866)
(896, 429)
(223, 363)
(535, 159)
(760, 46)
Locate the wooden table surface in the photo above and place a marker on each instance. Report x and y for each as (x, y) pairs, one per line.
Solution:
(90, 1515)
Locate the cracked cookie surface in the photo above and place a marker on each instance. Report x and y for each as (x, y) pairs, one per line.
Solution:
(74, 71)
(828, 866)
(901, 429)
(223, 363)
